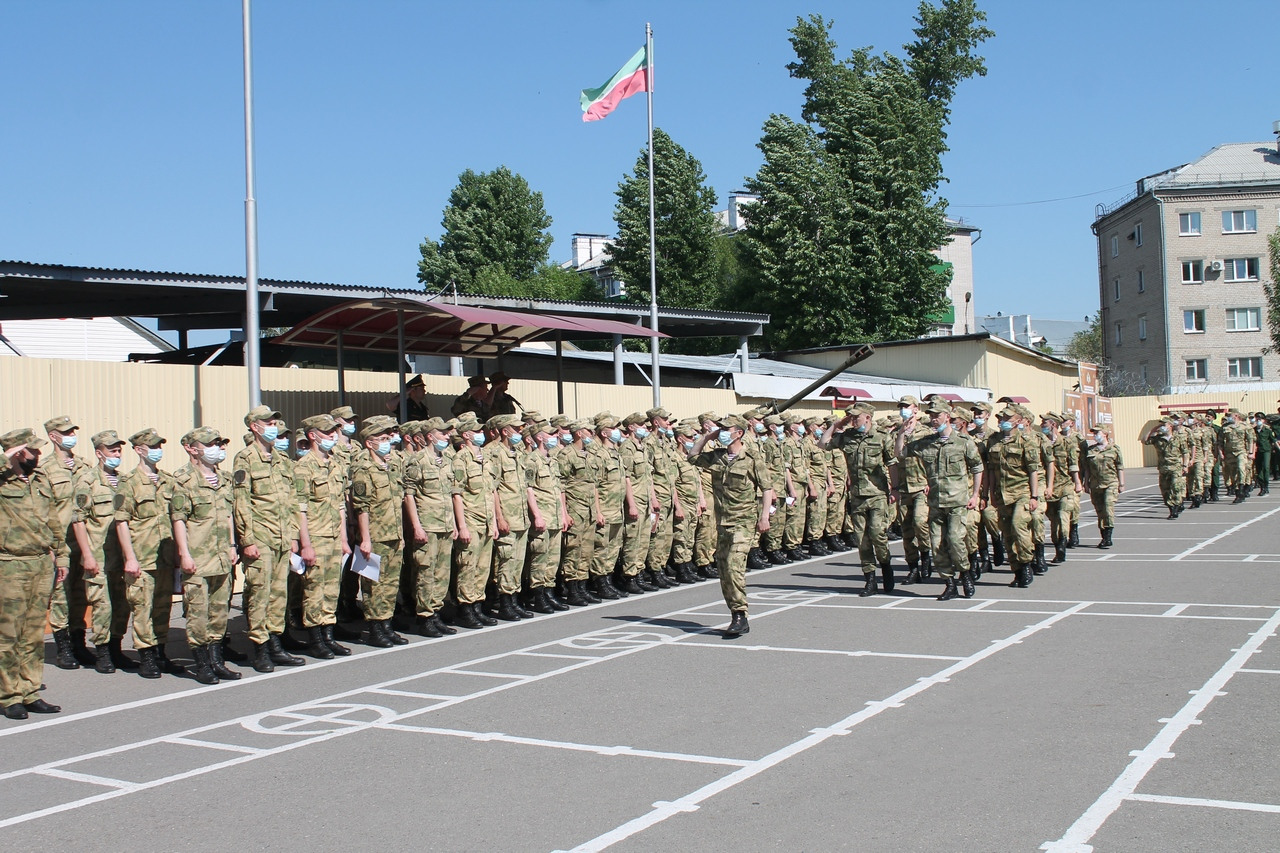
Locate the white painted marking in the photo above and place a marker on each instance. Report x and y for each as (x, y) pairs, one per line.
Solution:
(788, 649)
(663, 811)
(1077, 837)
(408, 693)
(89, 778)
(1175, 609)
(1213, 804)
(483, 674)
(1223, 535)
(208, 744)
(1262, 671)
(1167, 616)
(894, 603)
(982, 605)
(553, 655)
(1249, 559)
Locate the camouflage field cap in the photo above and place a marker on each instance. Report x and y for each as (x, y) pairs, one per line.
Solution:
(960, 413)
(708, 416)
(25, 436)
(734, 422)
(559, 421)
(532, 416)
(860, 408)
(468, 423)
(107, 438)
(204, 435)
(811, 421)
(62, 423)
(579, 424)
(345, 412)
(1102, 428)
(790, 418)
(498, 422)
(320, 423)
(773, 420)
(634, 419)
(687, 429)
(433, 425)
(982, 406)
(937, 406)
(605, 420)
(376, 425)
(908, 400)
(658, 412)
(410, 428)
(261, 413)
(146, 437)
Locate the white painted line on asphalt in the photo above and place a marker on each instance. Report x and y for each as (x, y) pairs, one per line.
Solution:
(1176, 609)
(88, 778)
(847, 653)
(1177, 616)
(1223, 535)
(1213, 804)
(553, 655)
(412, 695)
(499, 737)
(982, 605)
(483, 674)
(893, 603)
(208, 744)
(1249, 559)
(1076, 838)
(665, 810)
(1262, 671)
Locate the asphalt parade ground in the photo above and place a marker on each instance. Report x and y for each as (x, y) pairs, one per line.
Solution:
(1126, 701)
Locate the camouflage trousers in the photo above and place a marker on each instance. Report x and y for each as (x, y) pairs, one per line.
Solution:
(380, 595)
(869, 517)
(837, 518)
(1059, 519)
(544, 557)
(1172, 484)
(815, 522)
(989, 526)
(948, 527)
(660, 541)
(683, 530)
(1016, 521)
(80, 591)
(797, 514)
(208, 604)
(150, 597)
(608, 546)
(774, 537)
(635, 544)
(320, 583)
(25, 587)
(431, 562)
(475, 559)
(579, 542)
(266, 590)
(1072, 500)
(1104, 504)
(1236, 469)
(916, 537)
(1195, 477)
(508, 560)
(972, 524)
(706, 534)
(731, 561)
(67, 604)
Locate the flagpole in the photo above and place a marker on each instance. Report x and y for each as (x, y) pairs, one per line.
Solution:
(252, 335)
(653, 254)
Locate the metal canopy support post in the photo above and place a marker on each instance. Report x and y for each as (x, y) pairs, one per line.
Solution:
(560, 372)
(252, 334)
(342, 378)
(404, 397)
(617, 360)
(744, 354)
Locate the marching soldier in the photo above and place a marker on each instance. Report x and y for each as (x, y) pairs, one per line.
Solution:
(913, 503)
(984, 427)
(1236, 441)
(1013, 486)
(870, 458)
(1074, 438)
(1171, 462)
(1104, 478)
(1266, 442)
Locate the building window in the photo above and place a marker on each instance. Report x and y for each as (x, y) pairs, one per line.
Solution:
(1241, 269)
(1193, 272)
(1197, 369)
(1244, 368)
(1115, 245)
(1188, 224)
(1142, 282)
(1193, 322)
(1115, 289)
(1239, 221)
(1142, 371)
(1137, 234)
(1118, 338)
(1142, 327)
(1244, 319)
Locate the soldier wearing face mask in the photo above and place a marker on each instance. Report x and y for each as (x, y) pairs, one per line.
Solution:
(870, 459)
(795, 452)
(511, 507)
(548, 517)
(1104, 478)
(689, 491)
(1014, 487)
(66, 608)
(323, 543)
(1237, 455)
(984, 427)
(612, 501)
(104, 588)
(1171, 462)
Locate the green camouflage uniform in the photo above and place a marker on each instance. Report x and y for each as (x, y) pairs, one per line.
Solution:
(1102, 469)
(144, 507)
(1237, 440)
(868, 456)
(474, 484)
(689, 488)
(543, 475)
(580, 477)
(428, 478)
(265, 507)
(1171, 461)
(104, 592)
(205, 510)
(507, 468)
(737, 482)
(838, 502)
(797, 460)
(948, 465)
(321, 490)
(662, 458)
(612, 496)
(377, 489)
(1065, 454)
(638, 469)
(913, 503)
(815, 522)
(1011, 460)
(67, 606)
(774, 453)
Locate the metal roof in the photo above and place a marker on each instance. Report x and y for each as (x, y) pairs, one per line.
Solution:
(1229, 164)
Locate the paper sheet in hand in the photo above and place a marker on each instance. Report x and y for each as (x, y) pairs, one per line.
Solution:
(370, 568)
(296, 565)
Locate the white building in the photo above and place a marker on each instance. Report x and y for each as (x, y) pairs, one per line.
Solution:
(94, 339)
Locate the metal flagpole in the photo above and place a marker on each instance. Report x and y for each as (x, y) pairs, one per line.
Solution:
(252, 334)
(653, 252)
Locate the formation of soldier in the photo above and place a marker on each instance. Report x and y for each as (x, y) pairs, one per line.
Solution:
(1196, 456)
(434, 525)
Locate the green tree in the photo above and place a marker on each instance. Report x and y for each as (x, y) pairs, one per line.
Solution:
(495, 229)
(1086, 344)
(1272, 290)
(841, 246)
(685, 229)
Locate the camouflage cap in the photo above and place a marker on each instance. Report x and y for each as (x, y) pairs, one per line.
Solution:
(107, 438)
(1236, 412)
(320, 423)
(811, 421)
(1051, 418)
(299, 437)
(982, 406)
(25, 436)
(1178, 415)
(708, 416)
(758, 413)
(1009, 411)
(1102, 428)
(634, 419)
(937, 406)
(376, 425)
(579, 424)
(860, 408)
(469, 423)
(498, 422)
(790, 418)
(734, 422)
(261, 413)
(532, 416)
(433, 425)
(893, 419)
(410, 428)
(773, 420)
(687, 429)
(146, 437)
(451, 424)
(658, 412)
(908, 400)
(560, 421)
(605, 420)
(346, 413)
(203, 435)
(62, 423)
(960, 413)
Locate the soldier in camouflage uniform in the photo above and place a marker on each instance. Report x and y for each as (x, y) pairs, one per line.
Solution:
(548, 517)
(984, 427)
(200, 512)
(743, 495)
(689, 492)
(838, 499)
(428, 496)
(1013, 480)
(913, 503)
(870, 459)
(146, 540)
(640, 503)
(580, 474)
(377, 500)
(33, 557)
(265, 508)
(1063, 483)
(511, 507)
(795, 452)
(473, 507)
(815, 522)
(953, 471)
(612, 500)
(661, 451)
(343, 451)
(1237, 454)
(1076, 440)
(1103, 468)
(773, 450)
(104, 587)
(66, 608)
(321, 483)
(1171, 462)
(706, 533)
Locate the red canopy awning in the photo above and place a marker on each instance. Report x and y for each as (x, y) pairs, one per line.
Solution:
(950, 398)
(844, 392)
(1011, 399)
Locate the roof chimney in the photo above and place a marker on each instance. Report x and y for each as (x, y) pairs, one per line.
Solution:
(1275, 128)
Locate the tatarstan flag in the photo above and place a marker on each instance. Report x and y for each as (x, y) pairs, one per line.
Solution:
(630, 79)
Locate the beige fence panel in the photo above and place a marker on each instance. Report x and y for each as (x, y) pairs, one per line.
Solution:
(1131, 415)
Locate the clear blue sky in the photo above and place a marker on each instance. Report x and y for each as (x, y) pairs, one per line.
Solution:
(123, 122)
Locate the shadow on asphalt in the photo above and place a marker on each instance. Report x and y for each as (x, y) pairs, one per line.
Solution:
(679, 624)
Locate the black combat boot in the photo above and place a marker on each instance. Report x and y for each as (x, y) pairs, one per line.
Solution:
(148, 664)
(1038, 565)
(1073, 541)
(949, 591)
(262, 658)
(575, 598)
(279, 656)
(219, 665)
(710, 571)
(1195, 501)
(204, 669)
(539, 602)
(1020, 576)
(391, 634)
(376, 636)
(966, 583)
(796, 555)
(229, 652)
(290, 643)
(550, 597)
(776, 558)
(326, 631)
(684, 572)
(997, 551)
(478, 610)
(166, 665)
(317, 647)
(737, 625)
(424, 626)
(926, 566)
(465, 617)
(84, 656)
(886, 574)
(913, 573)
(1059, 552)
(817, 549)
(506, 609)
(642, 581)
(659, 579)
(600, 584)
(119, 658)
(894, 532)
(66, 658)
(869, 586)
(975, 565)
(1106, 537)
(102, 660)
(588, 592)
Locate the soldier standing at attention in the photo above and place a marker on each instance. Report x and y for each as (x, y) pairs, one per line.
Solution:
(838, 500)
(705, 534)
(640, 503)
(1014, 487)
(200, 513)
(511, 514)
(428, 498)
(661, 451)
(66, 607)
(1266, 443)
(548, 517)
(1171, 455)
(953, 471)
(377, 500)
(1236, 455)
(321, 483)
(580, 477)
(797, 457)
(473, 507)
(689, 491)
(743, 495)
(815, 523)
(913, 503)
(104, 588)
(612, 501)
(771, 448)
(1104, 478)
(33, 557)
(265, 508)
(870, 457)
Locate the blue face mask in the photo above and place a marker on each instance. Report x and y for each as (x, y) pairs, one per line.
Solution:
(759, 428)
(586, 439)
(395, 439)
(1022, 426)
(327, 444)
(1006, 426)
(303, 452)
(860, 429)
(642, 433)
(1046, 430)
(800, 430)
(979, 421)
(111, 462)
(68, 442)
(282, 444)
(688, 446)
(270, 433)
(348, 429)
(516, 439)
(725, 437)
(668, 432)
(155, 454)
(817, 433)
(441, 443)
(905, 411)
(615, 435)
(778, 430)
(478, 439)
(551, 443)
(384, 448)
(942, 428)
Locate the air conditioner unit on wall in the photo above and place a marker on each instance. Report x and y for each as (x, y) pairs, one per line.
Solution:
(1216, 266)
